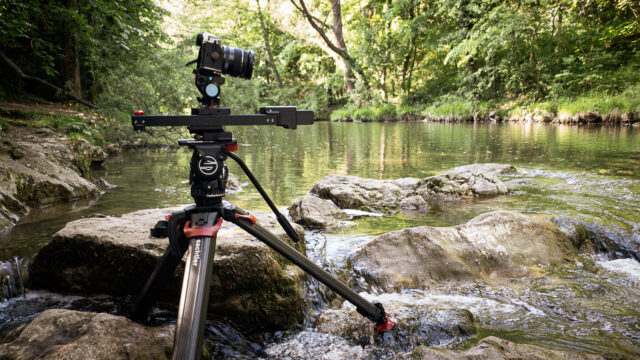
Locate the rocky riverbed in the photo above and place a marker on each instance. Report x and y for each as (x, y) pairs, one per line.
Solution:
(487, 288)
(40, 167)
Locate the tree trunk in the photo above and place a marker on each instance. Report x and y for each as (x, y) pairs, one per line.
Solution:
(337, 32)
(267, 45)
(70, 59)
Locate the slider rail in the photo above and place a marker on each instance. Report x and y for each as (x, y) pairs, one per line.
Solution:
(139, 122)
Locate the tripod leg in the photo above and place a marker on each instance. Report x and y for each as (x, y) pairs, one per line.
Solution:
(373, 312)
(161, 275)
(194, 298)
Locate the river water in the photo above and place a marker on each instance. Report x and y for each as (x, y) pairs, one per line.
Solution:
(578, 175)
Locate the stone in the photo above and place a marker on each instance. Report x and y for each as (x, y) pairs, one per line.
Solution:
(414, 325)
(414, 202)
(88, 155)
(113, 149)
(466, 181)
(494, 348)
(251, 285)
(352, 192)
(314, 212)
(68, 334)
(233, 183)
(495, 244)
(38, 170)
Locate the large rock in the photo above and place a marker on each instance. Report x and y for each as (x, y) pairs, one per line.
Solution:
(352, 192)
(251, 284)
(415, 325)
(68, 334)
(38, 169)
(314, 212)
(495, 244)
(88, 155)
(493, 348)
(466, 181)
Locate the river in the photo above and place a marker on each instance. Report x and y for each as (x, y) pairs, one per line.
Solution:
(588, 175)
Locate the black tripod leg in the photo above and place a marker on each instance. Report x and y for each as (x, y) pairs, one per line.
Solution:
(194, 298)
(161, 275)
(373, 312)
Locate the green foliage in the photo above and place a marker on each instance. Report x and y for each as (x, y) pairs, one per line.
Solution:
(4, 125)
(74, 126)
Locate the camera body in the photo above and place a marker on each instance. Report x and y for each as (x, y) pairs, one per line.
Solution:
(215, 60)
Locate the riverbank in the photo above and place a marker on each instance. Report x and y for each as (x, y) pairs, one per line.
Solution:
(623, 108)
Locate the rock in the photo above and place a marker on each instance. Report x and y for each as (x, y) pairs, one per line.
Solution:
(88, 155)
(415, 202)
(354, 192)
(314, 212)
(38, 170)
(233, 183)
(68, 334)
(415, 325)
(465, 181)
(113, 149)
(495, 244)
(496, 169)
(251, 284)
(493, 348)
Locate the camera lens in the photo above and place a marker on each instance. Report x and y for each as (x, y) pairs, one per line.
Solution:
(238, 62)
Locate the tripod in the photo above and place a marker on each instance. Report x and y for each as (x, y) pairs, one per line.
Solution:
(193, 230)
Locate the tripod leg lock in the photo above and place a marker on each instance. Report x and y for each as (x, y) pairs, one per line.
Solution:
(210, 231)
(246, 216)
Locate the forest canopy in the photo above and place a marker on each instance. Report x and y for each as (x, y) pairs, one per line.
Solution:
(321, 54)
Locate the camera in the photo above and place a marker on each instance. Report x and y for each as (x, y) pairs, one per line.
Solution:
(215, 60)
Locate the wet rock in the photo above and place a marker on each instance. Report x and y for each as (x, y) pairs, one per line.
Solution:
(113, 149)
(495, 244)
(493, 348)
(233, 183)
(38, 170)
(251, 284)
(465, 181)
(352, 192)
(68, 334)
(415, 325)
(415, 202)
(314, 212)
(88, 155)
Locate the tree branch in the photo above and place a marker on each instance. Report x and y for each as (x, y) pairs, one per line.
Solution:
(22, 75)
(323, 35)
(315, 18)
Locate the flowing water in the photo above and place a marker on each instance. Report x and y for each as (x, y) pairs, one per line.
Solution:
(586, 178)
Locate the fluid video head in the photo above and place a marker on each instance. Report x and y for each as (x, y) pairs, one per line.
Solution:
(215, 60)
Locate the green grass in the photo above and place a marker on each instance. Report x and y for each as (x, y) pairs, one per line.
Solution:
(4, 125)
(453, 107)
(625, 102)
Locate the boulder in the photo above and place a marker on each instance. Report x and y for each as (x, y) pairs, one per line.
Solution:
(414, 202)
(88, 155)
(251, 284)
(68, 334)
(113, 149)
(314, 212)
(233, 183)
(495, 244)
(493, 348)
(415, 325)
(38, 170)
(465, 181)
(352, 192)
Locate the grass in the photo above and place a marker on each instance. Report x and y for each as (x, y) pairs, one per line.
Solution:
(458, 108)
